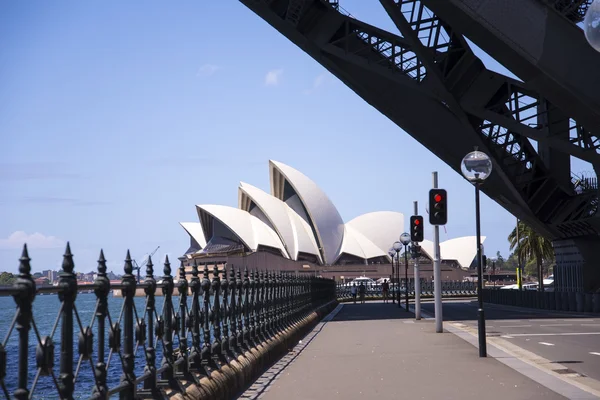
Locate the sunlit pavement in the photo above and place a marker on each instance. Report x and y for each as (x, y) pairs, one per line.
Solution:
(377, 350)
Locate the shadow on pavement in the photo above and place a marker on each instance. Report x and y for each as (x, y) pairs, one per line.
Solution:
(371, 311)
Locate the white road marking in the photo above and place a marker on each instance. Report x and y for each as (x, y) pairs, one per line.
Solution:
(595, 353)
(558, 325)
(590, 324)
(556, 334)
(507, 336)
(515, 326)
(546, 343)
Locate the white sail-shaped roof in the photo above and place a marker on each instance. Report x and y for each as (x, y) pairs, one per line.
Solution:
(194, 229)
(322, 214)
(462, 249)
(427, 248)
(356, 244)
(249, 229)
(382, 228)
(294, 232)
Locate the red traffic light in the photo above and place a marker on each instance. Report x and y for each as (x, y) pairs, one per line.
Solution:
(437, 197)
(417, 222)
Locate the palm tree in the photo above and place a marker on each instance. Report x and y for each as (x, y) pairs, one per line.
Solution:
(532, 246)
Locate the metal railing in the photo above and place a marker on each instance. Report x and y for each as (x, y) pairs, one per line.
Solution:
(449, 288)
(219, 315)
(559, 301)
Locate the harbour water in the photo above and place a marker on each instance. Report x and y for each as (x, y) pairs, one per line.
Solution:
(45, 310)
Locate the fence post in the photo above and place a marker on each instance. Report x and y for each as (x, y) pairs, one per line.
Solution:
(102, 289)
(252, 307)
(268, 304)
(225, 315)
(182, 287)
(150, 290)
(207, 363)
(167, 320)
(234, 349)
(128, 377)
(247, 323)
(195, 358)
(24, 299)
(216, 350)
(261, 307)
(240, 312)
(68, 284)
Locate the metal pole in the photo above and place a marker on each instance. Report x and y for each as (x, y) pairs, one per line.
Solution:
(398, 278)
(519, 280)
(406, 275)
(437, 271)
(480, 313)
(392, 281)
(417, 278)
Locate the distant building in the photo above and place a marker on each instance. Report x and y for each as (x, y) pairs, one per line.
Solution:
(297, 227)
(297, 221)
(43, 281)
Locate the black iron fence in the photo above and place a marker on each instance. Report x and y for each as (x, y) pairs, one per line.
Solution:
(559, 301)
(449, 289)
(213, 318)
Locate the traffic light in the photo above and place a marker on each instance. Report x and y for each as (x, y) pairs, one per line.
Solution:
(416, 228)
(438, 207)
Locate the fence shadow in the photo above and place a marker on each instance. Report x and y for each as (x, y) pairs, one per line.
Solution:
(369, 311)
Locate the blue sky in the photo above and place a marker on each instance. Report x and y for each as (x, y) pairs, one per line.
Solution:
(116, 118)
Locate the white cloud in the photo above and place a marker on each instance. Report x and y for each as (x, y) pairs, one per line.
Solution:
(207, 70)
(34, 241)
(319, 81)
(273, 77)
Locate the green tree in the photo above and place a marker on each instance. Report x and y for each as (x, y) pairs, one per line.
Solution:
(499, 261)
(532, 247)
(6, 278)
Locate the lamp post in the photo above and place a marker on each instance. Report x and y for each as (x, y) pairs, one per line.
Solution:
(392, 254)
(591, 25)
(405, 240)
(397, 246)
(477, 167)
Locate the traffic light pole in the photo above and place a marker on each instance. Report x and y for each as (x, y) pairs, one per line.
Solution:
(437, 271)
(417, 279)
(406, 275)
(480, 312)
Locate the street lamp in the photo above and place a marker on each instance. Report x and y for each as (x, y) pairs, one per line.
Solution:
(397, 246)
(392, 254)
(591, 25)
(405, 240)
(477, 167)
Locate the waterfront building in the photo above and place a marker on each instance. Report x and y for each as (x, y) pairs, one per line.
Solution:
(296, 226)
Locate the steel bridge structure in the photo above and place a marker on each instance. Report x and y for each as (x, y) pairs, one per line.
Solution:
(426, 78)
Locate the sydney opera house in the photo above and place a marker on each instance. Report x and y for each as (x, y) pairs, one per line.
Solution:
(297, 227)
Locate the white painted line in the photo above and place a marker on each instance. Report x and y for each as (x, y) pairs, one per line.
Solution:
(558, 325)
(409, 322)
(507, 336)
(595, 353)
(556, 334)
(546, 343)
(514, 326)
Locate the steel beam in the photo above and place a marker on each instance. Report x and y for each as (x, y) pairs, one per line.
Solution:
(537, 44)
(431, 84)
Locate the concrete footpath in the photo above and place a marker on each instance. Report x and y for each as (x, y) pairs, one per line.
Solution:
(378, 351)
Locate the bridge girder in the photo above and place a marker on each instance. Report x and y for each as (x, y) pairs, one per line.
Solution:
(429, 82)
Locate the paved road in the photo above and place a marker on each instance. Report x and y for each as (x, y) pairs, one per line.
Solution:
(377, 351)
(573, 341)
